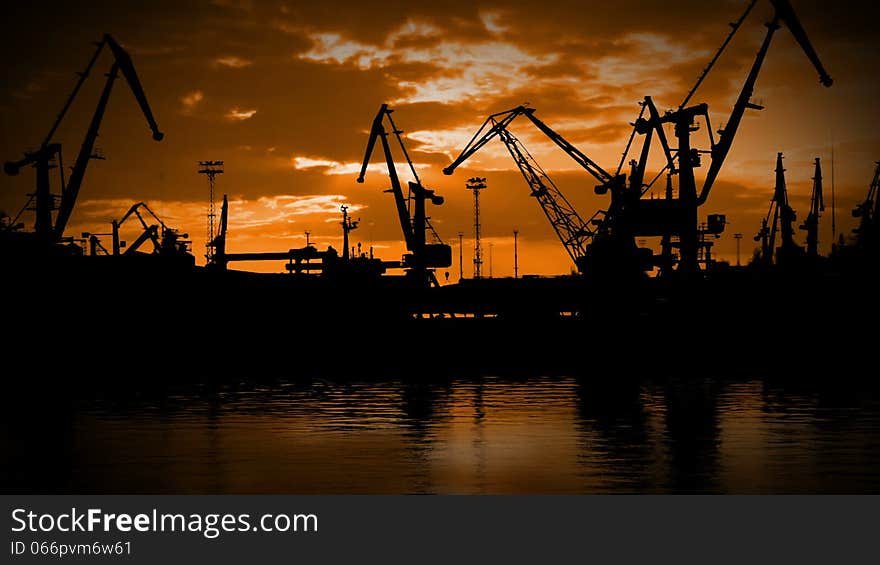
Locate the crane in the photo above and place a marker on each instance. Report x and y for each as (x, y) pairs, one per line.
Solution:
(868, 213)
(817, 206)
(41, 159)
(575, 234)
(423, 257)
(683, 119)
(678, 216)
(172, 242)
(497, 122)
(780, 219)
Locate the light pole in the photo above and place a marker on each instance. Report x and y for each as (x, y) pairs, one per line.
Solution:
(515, 254)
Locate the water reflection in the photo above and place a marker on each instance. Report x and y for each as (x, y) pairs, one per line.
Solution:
(469, 435)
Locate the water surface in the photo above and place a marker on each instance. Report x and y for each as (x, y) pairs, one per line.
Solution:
(474, 435)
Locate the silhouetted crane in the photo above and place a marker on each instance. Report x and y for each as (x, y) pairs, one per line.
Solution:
(575, 234)
(629, 215)
(817, 206)
(868, 213)
(679, 216)
(169, 242)
(780, 219)
(42, 158)
(423, 256)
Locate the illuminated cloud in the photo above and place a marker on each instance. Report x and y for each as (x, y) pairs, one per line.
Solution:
(233, 62)
(329, 166)
(446, 141)
(191, 100)
(492, 22)
(333, 48)
(414, 29)
(236, 114)
(469, 70)
(308, 204)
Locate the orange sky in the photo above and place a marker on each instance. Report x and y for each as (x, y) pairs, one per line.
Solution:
(284, 93)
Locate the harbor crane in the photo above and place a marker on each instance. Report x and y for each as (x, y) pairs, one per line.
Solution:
(167, 242)
(612, 245)
(575, 234)
(629, 215)
(423, 257)
(679, 215)
(42, 158)
(779, 220)
(868, 212)
(817, 206)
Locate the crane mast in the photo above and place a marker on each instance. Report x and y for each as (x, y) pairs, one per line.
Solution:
(817, 206)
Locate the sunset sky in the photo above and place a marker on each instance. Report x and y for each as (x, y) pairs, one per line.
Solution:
(285, 91)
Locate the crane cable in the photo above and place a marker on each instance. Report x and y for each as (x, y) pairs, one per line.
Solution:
(735, 25)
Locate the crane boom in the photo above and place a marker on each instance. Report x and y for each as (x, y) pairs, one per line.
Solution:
(499, 121)
(377, 131)
(423, 256)
(123, 59)
(122, 63)
(86, 153)
(82, 78)
(580, 158)
(134, 210)
(783, 13)
(490, 128)
(573, 232)
(41, 158)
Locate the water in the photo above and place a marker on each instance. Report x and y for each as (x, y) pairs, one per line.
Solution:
(485, 435)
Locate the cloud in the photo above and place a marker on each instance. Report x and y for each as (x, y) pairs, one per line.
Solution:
(236, 114)
(333, 48)
(493, 22)
(331, 167)
(328, 166)
(463, 70)
(233, 62)
(192, 100)
(308, 204)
